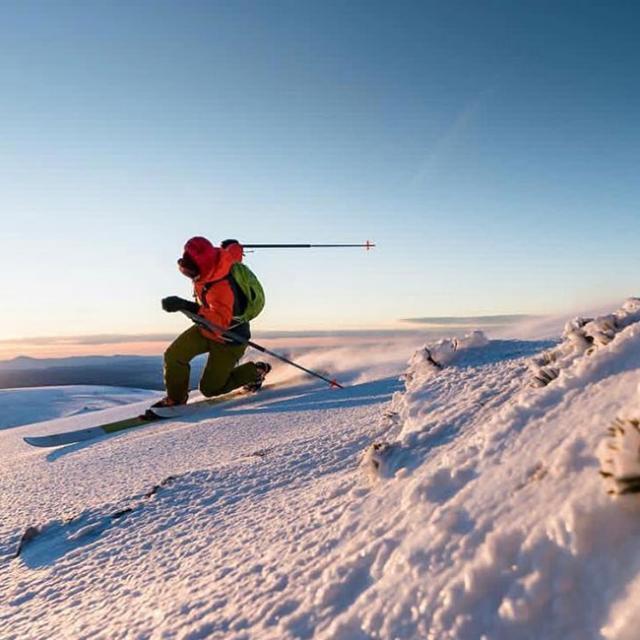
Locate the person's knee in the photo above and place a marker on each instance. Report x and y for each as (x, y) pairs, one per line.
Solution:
(211, 387)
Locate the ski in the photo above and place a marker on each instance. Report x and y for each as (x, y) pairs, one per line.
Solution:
(88, 433)
(150, 416)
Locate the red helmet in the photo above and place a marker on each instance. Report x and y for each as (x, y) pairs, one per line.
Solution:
(199, 257)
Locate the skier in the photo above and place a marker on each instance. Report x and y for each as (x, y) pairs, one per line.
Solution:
(219, 299)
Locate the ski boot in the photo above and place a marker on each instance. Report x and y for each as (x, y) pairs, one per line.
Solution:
(169, 402)
(263, 369)
(163, 403)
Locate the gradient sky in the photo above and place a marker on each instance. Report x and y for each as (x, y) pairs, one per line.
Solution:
(491, 149)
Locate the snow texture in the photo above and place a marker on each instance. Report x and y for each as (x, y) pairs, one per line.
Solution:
(459, 502)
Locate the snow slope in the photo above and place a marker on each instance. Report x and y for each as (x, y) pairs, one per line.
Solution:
(461, 502)
(35, 404)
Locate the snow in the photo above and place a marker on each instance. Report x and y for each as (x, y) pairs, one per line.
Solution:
(460, 500)
(36, 404)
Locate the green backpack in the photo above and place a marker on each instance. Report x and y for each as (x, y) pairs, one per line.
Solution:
(247, 291)
(250, 286)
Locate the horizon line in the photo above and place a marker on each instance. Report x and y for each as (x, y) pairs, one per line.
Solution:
(117, 338)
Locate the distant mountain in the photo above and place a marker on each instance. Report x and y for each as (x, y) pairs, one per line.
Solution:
(142, 372)
(26, 362)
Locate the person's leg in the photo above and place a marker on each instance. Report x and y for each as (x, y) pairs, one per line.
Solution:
(221, 374)
(177, 357)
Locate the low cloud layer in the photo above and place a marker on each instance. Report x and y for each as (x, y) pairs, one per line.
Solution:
(469, 321)
(106, 338)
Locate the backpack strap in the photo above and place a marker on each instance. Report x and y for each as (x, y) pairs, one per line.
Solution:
(239, 298)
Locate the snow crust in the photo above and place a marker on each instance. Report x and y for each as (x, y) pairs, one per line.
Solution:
(460, 502)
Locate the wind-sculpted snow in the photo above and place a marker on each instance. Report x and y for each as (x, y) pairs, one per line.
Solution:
(506, 530)
(582, 336)
(459, 504)
(620, 456)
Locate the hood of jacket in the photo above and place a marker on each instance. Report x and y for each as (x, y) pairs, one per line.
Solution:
(213, 263)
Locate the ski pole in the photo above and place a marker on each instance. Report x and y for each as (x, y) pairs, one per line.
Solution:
(225, 243)
(368, 245)
(203, 322)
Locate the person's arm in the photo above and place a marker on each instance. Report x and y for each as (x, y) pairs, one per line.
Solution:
(176, 303)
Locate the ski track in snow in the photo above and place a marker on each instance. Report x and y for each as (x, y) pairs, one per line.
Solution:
(484, 516)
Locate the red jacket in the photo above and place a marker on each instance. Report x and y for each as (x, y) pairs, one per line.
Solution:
(216, 300)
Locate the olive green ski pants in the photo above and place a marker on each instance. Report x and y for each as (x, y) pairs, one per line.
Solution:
(220, 375)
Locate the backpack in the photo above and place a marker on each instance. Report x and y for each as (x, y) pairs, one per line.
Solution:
(249, 285)
(247, 291)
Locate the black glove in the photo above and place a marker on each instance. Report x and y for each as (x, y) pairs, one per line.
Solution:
(225, 243)
(175, 303)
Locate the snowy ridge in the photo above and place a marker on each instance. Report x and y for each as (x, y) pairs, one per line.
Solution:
(465, 505)
(443, 352)
(582, 336)
(512, 534)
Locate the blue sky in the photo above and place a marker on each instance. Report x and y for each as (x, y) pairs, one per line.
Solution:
(491, 149)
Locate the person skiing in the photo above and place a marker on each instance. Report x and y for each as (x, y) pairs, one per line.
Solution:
(219, 299)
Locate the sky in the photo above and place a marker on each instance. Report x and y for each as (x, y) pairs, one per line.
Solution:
(490, 149)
